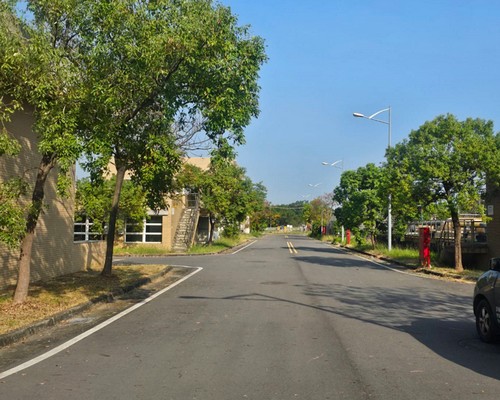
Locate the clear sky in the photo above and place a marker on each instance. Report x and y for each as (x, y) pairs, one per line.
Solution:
(330, 58)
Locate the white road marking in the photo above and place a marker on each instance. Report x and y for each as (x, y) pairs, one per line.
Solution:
(243, 248)
(96, 328)
(370, 259)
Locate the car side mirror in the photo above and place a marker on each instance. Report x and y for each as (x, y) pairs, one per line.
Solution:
(495, 264)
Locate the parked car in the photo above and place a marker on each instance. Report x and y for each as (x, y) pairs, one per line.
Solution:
(487, 303)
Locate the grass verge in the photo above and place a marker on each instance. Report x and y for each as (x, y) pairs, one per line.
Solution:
(411, 257)
(220, 245)
(50, 297)
(217, 246)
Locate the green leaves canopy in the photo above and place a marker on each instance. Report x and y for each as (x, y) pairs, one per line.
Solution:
(94, 201)
(227, 194)
(149, 64)
(362, 202)
(446, 160)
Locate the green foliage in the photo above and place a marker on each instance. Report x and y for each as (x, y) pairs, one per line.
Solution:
(150, 69)
(8, 145)
(227, 194)
(262, 218)
(12, 212)
(35, 70)
(288, 214)
(362, 200)
(443, 166)
(150, 64)
(231, 230)
(93, 199)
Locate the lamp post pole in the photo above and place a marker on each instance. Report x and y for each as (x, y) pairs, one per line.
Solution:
(334, 164)
(389, 204)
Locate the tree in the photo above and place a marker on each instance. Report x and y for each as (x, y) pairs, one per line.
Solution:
(447, 161)
(150, 68)
(226, 193)
(362, 203)
(36, 69)
(94, 201)
(319, 212)
(12, 220)
(263, 218)
(219, 194)
(289, 214)
(124, 80)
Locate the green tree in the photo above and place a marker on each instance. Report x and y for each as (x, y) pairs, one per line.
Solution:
(12, 213)
(319, 213)
(263, 218)
(361, 202)
(289, 214)
(150, 69)
(446, 161)
(36, 69)
(219, 195)
(228, 195)
(94, 200)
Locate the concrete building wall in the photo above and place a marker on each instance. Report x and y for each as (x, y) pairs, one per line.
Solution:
(54, 252)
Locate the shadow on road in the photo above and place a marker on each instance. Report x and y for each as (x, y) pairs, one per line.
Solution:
(436, 319)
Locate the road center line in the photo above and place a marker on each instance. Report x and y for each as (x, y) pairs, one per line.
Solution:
(97, 328)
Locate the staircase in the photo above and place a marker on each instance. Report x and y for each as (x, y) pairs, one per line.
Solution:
(186, 230)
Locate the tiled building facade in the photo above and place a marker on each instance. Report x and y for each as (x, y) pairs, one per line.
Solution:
(54, 250)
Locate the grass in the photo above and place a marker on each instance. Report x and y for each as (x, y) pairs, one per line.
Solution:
(139, 250)
(411, 257)
(217, 246)
(47, 298)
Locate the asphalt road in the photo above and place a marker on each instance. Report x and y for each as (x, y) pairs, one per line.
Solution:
(285, 318)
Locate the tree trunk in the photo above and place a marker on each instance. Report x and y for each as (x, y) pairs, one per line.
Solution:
(23, 278)
(113, 216)
(458, 241)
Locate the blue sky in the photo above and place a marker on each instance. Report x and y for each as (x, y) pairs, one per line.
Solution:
(330, 58)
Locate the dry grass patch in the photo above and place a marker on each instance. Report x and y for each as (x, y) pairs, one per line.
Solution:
(58, 294)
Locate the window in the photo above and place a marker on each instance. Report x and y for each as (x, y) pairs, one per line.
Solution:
(150, 231)
(83, 230)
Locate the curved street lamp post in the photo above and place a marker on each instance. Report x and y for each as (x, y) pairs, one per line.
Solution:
(389, 208)
(341, 166)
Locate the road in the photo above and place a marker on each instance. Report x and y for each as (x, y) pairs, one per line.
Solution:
(285, 318)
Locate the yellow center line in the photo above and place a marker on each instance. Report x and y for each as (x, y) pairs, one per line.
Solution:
(291, 249)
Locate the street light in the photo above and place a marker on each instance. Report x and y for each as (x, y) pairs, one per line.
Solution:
(333, 164)
(389, 217)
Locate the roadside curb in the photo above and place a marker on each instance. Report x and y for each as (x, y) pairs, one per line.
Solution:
(417, 270)
(21, 333)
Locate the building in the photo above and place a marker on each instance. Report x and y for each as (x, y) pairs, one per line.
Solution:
(54, 250)
(175, 228)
